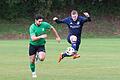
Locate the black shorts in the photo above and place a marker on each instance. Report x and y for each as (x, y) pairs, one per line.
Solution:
(33, 49)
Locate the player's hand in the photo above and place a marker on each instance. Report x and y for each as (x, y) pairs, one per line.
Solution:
(43, 36)
(58, 39)
(86, 14)
(55, 18)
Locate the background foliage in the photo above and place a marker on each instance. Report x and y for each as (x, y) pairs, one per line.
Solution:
(11, 9)
(105, 16)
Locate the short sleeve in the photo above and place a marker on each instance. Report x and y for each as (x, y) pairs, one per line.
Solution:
(47, 25)
(31, 30)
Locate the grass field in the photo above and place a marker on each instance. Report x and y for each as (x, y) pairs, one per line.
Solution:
(100, 60)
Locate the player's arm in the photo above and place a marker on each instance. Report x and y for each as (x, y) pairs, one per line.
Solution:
(56, 34)
(87, 17)
(34, 38)
(59, 21)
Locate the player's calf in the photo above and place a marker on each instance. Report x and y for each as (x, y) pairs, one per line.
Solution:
(60, 57)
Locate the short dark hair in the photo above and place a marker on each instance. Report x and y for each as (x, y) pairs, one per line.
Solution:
(73, 12)
(38, 16)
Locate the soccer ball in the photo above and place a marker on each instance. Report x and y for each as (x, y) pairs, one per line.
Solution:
(70, 50)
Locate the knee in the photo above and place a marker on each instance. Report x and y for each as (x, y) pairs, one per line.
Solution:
(73, 39)
(41, 56)
(42, 59)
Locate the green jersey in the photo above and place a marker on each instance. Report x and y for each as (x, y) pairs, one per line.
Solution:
(35, 30)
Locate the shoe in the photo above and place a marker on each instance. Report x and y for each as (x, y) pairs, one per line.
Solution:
(76, 56)
(34, 75)
(60, 58)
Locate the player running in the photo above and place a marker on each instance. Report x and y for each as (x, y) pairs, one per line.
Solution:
(75, 24)
(37, 41)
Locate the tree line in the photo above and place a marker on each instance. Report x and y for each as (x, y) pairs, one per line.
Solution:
(10, 9)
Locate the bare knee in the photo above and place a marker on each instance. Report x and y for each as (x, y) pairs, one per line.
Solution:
(42, 59)
(73, 38)
(41, 56)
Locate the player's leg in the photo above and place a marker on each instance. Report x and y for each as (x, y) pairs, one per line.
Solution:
(75, 42)
(62, 55)
(41, 52)
(32, 53)
(76, 55)
(72, 39)
(32, 66)
(41, 56)
(66, 52)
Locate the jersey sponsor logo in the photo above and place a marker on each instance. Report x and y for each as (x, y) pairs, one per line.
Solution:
(77, 25)
(74, 26)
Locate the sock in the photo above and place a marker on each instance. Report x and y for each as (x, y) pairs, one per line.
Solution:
(66, 55)
(32, 67)
(74, 46)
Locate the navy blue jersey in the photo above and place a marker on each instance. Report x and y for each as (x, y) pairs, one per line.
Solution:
(75, 27)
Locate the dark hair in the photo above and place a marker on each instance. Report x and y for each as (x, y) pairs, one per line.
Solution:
(73, 12)
(38, 16)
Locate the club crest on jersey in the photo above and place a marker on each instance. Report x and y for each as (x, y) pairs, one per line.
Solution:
(43, 29)
(78, 22)
(71, 23)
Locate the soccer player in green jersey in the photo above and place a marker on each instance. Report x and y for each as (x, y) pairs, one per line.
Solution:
(38, 35)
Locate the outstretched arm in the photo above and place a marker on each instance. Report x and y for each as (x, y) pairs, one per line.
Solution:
(34, 38)
(57, 20)
(55, 33)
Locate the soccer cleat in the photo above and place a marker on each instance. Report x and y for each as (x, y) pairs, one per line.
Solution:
(76, 56)
(60, 58)
(34, 75)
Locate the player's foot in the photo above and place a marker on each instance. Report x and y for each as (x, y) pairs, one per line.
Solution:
(60, 57)
(34, 75)
(76, 56)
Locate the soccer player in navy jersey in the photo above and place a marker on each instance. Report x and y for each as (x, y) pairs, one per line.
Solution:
(75, 24)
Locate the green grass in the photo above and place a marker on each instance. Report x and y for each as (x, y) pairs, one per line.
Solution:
(100, 60)
(13, 28)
